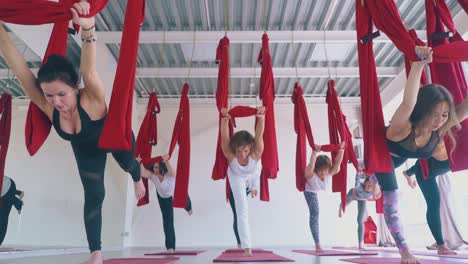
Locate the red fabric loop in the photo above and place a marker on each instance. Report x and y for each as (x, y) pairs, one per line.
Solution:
(5, 130)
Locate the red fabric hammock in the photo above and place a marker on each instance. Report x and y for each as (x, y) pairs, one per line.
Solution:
(19, 12)
(117, 131)
(376, 154)
(464, 4)
(338, 129)
(5, 129)
(147, 138)
(180, 136)
(270, 164)
(222, 97)
(303, 130)
(450, 75)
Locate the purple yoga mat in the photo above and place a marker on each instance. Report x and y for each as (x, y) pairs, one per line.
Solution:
(177, 253)
(257, 257)
(393, 261)
(422, 253)
(141, 261)
(335, 253)
(357, 249)
(241, 251)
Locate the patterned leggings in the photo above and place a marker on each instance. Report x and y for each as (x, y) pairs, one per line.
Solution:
(312, 202)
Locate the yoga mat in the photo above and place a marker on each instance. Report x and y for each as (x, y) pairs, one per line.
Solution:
(177, 253)
(12, 250)
(335, 253)
(393, 261)
(434, 254)
(357, 249)
(141, 261)
(257, 257)
(241, 251)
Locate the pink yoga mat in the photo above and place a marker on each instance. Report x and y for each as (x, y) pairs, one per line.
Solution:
(335, 253)
(141, 261)
(393, 261)
(241, 251)
(257, 257)
(177, 253)
(434, 254)
(357, 249)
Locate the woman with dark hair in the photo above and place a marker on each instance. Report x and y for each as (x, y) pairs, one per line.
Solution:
(10, 197)
(162, 175)
(318, 176)
(243, 153)
(78, 116)
(426, 115)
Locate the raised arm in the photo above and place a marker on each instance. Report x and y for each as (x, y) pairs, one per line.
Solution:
(309, 170)
(17, 63)
(170, 169)
(225, 138)
(338, 159)
(144, 172)
(400, 121)
(259, 129)
(93, 86)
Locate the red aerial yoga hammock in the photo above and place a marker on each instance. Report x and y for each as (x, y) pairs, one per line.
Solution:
(384, 14)
(5, 129)
(270, 164)
(450, 75)
(464, 4)
(270, 153)
(117, 131)
(180, 136)
(147, 138)
(338, 129)
(303, 130)
(20, 12)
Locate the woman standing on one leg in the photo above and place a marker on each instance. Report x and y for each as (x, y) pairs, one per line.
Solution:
(430, 191)
(318, 177)
(162, 175)
(78, 116)
(10, 197)
(422, 119)
(243, 153)
(362, 192)
(232, 203)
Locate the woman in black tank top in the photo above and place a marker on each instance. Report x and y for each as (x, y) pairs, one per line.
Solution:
(77, 115)
(425, 116)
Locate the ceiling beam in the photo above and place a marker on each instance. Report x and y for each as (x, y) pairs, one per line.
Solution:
(284, 72)
(346, 36)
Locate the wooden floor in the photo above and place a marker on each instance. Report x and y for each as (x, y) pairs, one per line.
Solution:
(77, 255)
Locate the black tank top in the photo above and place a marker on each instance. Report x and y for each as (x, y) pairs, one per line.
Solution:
(408, 149)
(90, 129)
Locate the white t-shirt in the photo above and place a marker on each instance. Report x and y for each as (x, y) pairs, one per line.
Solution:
(165, 188)
(250, 172)
(315, 184)
(6, 184)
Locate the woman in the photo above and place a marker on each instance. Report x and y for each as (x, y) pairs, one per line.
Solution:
(366, 187)
(10, 197)
(243, 153)
(162, 175)
(78, 116)
(318, 176)
(425, 116)
(438, 164)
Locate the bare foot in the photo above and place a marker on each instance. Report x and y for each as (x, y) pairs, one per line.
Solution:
(248, 252)
(360, 247)
(139, 189)
(318, 248)
(444, 250)
(239, 246)
(95, 258)
(190, 212)
(171, 250)
(408, 258)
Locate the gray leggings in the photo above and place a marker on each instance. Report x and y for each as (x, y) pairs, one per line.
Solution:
(361, 213)
(312, 202)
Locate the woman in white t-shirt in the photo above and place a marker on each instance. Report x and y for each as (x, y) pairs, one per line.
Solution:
(162, 175)
(318, 178)
(10, 197)
(243, 153)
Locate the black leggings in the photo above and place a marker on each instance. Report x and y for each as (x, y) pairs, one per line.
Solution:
(167, 212)
(8, 200)
(91, 163)
(234, 214)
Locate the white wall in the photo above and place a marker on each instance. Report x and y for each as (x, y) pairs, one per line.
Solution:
(281, 222)
(53, 210)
